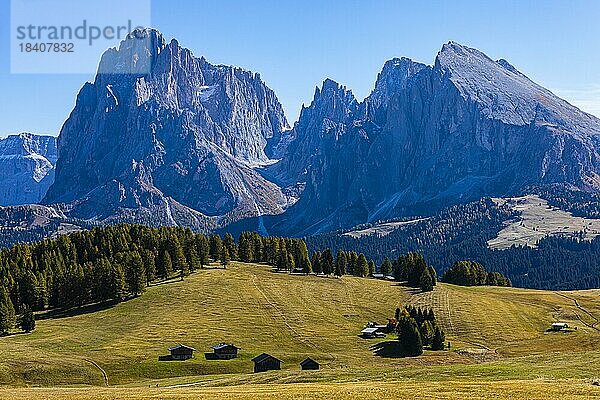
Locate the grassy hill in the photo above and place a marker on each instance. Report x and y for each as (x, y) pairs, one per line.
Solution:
(498, 335)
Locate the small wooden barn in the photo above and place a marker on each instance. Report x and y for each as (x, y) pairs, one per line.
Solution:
(266, 362)
(181, 352)
(225, 351)
(559, 326)
(309, 364)
(372, 332)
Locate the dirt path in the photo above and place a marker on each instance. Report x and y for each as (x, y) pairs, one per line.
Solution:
(104, 374)
(351, 305)
(294, 331)
(579, 307)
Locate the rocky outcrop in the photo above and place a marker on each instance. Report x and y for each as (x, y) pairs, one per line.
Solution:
(160, 125)
(26, 168)
(164, 137)
(428, 137)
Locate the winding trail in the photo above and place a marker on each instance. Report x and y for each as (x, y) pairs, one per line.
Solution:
(95, 364)
(294, 331)
(579, 307)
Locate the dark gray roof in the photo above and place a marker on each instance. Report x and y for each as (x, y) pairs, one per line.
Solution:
(308, 360)
(223, 345)
(263, 357)
(181, 346)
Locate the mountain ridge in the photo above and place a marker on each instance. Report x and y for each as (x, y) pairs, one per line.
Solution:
(27, 163)
(167, 130)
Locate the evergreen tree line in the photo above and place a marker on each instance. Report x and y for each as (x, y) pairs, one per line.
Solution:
(417, 329)
(102, 264)
(113, 263)
(471, 273)
(462, 232)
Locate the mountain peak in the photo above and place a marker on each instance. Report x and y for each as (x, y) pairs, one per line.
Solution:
(331, 91)
(26, 167)
(329, 85)
(135, 54)
(394, 76)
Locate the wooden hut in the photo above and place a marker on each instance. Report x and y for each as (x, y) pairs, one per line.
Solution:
(225, 351)
(309, 364)
(266, 362)
(181, 352)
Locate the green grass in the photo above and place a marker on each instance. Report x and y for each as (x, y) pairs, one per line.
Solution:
(497, 334)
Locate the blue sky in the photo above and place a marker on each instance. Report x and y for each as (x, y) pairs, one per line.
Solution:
(295, 45)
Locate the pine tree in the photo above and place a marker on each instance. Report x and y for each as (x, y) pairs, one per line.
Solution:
(386, 267)
(7, 312)
(245, 248)
(215, 246)
(301, 260)
(340, 263)
(42, 301)
(371, 268)
(28, 286)
(352, 264)
(116, 288)
(433, 274)
(327, 262)
(191, 256)
(224, 257)
(427, 331)
(316, 263)
(439, 339)
(229, 242)
(290, 265)
(177, 255)
(409, 337)
(135, 274)
(272, 251)
(27, 322)
(362, 268)
(165, 265)
(150, 265)
(203, 249)
(426, 281)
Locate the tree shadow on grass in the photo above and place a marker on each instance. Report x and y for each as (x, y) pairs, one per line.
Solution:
(81, 310)
(14, 334)
(389, 349)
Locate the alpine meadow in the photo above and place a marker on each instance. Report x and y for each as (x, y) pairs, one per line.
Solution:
(193, 206)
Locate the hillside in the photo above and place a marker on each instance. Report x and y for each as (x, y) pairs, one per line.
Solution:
(496, 334)
(537, 220)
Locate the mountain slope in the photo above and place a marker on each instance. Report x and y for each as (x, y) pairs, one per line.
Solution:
(187, 131)
(428, 137)
(26, 168)
(163, 137)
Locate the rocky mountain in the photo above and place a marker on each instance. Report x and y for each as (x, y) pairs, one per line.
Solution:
(431, 136)
(164, 137)
(166, 134)
(26, 168)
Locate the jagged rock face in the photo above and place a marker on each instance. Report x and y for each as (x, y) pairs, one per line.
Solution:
(162, 137)
(26, 168)
(186, 130)
(428, 137)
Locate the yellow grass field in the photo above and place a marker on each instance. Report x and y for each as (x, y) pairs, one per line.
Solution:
(500, 347)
